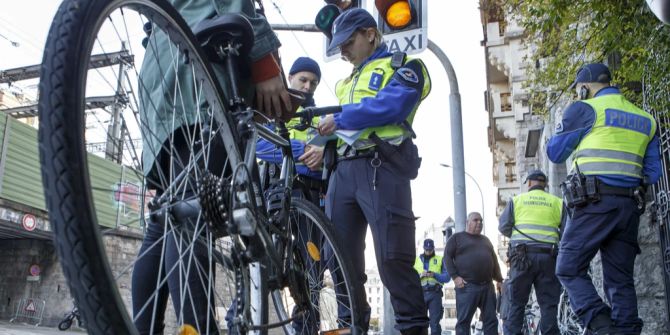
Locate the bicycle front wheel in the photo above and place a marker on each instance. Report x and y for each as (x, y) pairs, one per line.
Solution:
(320, 295)
(137, 163)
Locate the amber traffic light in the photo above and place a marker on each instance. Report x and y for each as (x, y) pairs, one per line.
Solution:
(397, 14)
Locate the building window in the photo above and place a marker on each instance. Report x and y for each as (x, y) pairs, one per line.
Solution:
(505, 102)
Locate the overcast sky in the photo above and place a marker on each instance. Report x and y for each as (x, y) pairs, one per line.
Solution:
(453, 25)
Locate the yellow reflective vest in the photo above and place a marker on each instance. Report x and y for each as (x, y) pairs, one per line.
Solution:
(618, 140)
(537, 214)
(355, 87)
(434, 266)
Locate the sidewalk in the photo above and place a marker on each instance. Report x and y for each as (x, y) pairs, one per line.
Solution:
(19, 328)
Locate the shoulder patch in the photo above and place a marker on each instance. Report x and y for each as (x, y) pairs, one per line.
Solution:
(559, 127)
(409, 75)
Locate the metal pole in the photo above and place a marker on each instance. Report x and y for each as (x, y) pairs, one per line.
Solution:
(458, 160)
(300, 27)
(481, 194)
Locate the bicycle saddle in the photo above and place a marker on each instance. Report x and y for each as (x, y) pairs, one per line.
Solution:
(219, 30)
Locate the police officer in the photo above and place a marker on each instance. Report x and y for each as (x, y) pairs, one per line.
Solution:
(304, 76)
(533, 220)
(616, 149)
(433, 273)
(371, 183)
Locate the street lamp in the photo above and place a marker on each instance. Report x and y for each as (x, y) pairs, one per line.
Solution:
(481, 194)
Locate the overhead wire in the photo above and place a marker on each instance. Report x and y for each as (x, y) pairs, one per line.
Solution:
(21, 36)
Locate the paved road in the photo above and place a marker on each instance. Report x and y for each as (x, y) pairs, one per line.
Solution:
(7, 328)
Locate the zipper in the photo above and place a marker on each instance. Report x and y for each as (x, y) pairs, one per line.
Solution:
(353, 87)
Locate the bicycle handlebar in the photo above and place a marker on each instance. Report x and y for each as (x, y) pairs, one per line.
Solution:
(311, 112)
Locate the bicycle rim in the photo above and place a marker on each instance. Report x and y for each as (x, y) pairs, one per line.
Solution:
(323, 280)
(97, 126)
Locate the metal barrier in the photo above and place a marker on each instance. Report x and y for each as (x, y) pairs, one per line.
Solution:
(29, 309)
(655, 94)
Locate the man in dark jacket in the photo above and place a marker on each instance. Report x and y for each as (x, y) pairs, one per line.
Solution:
(473, 265)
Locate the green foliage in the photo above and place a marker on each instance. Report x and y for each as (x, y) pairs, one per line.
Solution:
(564, 34)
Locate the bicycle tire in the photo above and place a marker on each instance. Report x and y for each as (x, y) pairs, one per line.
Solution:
(76, 202)
(568, 322)
(315, 225)
(65, 324)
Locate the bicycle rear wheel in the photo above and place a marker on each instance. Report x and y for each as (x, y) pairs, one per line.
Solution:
(568, 322)
(126, 151)
(320, 295)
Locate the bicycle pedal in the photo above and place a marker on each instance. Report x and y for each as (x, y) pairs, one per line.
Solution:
(339, 331)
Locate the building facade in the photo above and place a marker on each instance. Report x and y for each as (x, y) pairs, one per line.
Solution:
(517, 140)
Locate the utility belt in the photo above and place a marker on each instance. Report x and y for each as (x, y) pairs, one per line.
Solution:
(351, 153)
(403, 158)
(434, 287)
(517, 254)
(580, 190)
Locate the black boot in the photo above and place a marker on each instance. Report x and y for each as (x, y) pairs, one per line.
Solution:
(601, 325)
(415, 331)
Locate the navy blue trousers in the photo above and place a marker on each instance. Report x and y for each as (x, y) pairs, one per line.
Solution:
(468, 299)
(358, 196)
(609, 226)
(181, 267)
(540, 275)
(432, 296)
(149, 289)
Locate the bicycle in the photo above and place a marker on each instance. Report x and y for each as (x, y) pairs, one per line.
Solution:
(66, 323)
(251, 247)
(530, 326)
(568, 322)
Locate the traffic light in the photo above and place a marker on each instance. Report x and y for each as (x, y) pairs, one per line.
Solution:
(397, 14)
(326, 17)
(344, 4)
(403, 23)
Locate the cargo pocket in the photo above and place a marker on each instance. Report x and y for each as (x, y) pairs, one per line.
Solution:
(505, 300)
(400, 234)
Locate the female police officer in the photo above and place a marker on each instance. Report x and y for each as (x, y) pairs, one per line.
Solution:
(371, 183)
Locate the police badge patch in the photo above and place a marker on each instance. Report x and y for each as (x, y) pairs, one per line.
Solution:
(375, 81)
(559, 127)
(409, 75)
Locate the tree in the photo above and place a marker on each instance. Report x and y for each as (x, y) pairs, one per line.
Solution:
(565, 34)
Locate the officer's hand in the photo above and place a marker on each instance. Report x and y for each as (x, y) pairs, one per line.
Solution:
(459, 282)
(430, 274)
(272, 97)
(499, 286)
(327, 126)
(313, 157)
